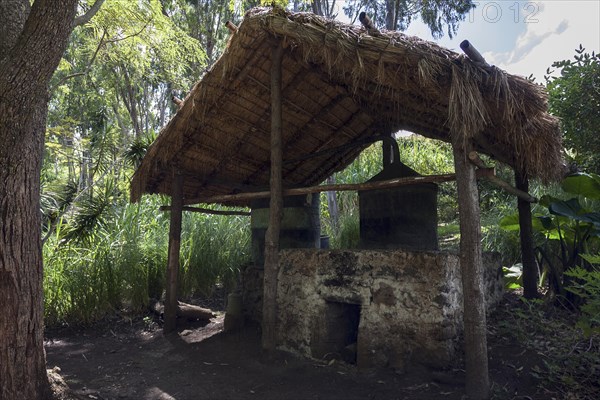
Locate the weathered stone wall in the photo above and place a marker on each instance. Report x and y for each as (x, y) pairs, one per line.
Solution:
(407, 305)
(252, 292)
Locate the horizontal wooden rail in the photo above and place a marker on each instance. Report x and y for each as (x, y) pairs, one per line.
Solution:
(207, 211)
(390, 183)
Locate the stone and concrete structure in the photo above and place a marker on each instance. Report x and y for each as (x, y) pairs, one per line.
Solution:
(375, 308)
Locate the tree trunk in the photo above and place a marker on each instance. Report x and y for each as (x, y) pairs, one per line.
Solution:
(530, 269)
(476, 360)
(22, 363)
(32, 41)
(390, 15)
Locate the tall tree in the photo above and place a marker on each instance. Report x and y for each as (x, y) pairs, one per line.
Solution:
(205, 20)
(325, 8)
(575, 98)
(398, 14)
(33, 38)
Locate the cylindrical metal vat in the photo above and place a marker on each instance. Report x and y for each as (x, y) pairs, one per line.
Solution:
(300, 224)
(402, 217)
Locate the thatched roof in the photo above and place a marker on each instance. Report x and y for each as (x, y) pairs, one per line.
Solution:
(341, 85)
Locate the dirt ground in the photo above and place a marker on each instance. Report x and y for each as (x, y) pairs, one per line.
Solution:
(123, 358)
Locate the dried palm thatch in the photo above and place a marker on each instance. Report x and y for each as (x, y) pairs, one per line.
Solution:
(342, 85)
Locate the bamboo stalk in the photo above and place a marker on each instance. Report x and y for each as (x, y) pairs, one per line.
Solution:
(530, 268)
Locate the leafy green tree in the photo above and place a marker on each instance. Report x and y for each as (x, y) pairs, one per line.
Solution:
(111, 94)
(575, 99)
(398, 14)
(204, 20)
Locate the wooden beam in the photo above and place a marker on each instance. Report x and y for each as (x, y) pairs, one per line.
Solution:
(231, 26)
(473, 54)
(530, 268)
(390, 183)
(271, 268)
(476, 359)
(206, 211)
(366, 21)
(521, 194)
(173, 260)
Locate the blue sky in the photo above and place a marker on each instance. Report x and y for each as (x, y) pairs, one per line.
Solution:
(525, 37)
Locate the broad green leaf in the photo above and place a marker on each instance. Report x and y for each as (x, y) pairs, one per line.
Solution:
(587, 185)
(546, 200)
(546, 222)
(566, 208)
(510, 222)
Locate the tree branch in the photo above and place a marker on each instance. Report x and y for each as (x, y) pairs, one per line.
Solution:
(87, 68)
(85, 18)
(132, 35)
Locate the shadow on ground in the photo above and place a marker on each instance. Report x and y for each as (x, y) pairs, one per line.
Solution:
(132, 359)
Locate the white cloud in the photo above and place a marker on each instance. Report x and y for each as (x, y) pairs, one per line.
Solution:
(559, 28)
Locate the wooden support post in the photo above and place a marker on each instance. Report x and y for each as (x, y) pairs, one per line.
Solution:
(173, 260)
(530, 269)
(477, 377)
(271, 269)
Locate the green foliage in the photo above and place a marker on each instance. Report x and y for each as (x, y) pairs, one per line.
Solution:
(112, 266)
(398, 14)
(564, 230)
(136, 151)
(213, 250)
(349, 233)
(110, 96)
(121, 259)
(204, 20)
(366, 165)
(586, 185)
(569, 362)
(575, 99)
(585, 284)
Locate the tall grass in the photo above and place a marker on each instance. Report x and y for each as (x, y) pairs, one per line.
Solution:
(121, 262)
(213, 249)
